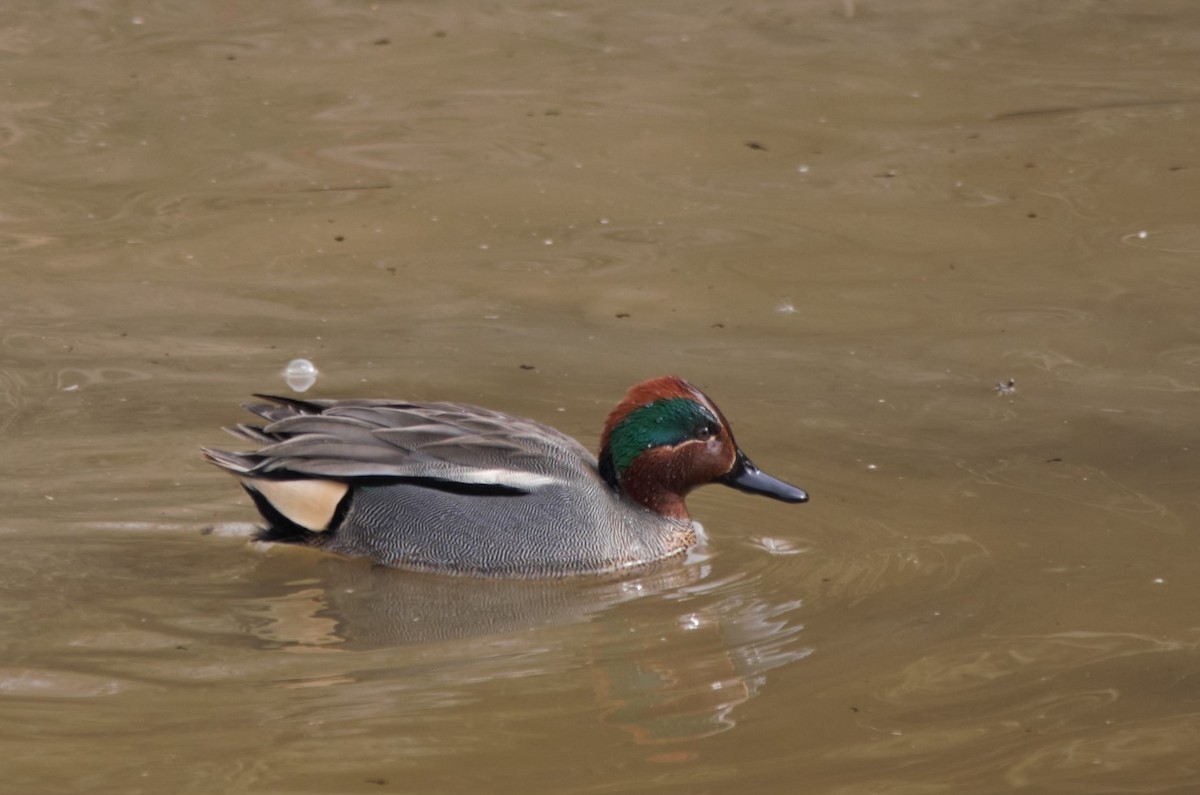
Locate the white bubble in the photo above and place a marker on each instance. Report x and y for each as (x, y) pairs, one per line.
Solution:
(300, 367)
(300, 374)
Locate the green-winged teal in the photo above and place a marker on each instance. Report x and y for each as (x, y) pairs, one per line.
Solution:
(452, 488)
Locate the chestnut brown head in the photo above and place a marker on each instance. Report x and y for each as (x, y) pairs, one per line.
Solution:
(665, 438)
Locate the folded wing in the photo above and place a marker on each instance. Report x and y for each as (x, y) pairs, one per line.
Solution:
(445, 444)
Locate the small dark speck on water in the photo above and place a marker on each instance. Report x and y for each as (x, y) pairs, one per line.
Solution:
(622, 315)
(339, 238)
(1055, 460)
(528, 367)
(381, 42)
(756, 146)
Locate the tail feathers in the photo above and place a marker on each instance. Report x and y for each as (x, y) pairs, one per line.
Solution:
(237, 463)
(295, 508)
(255, 433)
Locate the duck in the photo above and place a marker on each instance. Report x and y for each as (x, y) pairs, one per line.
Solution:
(451, 488)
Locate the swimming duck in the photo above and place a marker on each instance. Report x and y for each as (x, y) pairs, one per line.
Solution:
(451, 488)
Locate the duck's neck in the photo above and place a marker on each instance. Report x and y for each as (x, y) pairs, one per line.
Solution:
(649, 480)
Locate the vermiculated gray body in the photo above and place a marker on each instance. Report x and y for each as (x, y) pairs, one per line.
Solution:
(553, 531)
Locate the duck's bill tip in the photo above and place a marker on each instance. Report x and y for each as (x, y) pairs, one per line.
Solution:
(746, 477)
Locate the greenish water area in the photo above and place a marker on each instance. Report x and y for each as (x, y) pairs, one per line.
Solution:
(938, 264)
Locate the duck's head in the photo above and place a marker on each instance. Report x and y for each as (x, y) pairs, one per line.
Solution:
(665, 438)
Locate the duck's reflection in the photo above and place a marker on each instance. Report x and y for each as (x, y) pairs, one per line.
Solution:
(670, 652)
(353, 605)
(684, 682)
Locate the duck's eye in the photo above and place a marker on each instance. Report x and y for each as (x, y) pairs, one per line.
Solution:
(706, 432)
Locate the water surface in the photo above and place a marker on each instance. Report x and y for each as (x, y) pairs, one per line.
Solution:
(849, 222)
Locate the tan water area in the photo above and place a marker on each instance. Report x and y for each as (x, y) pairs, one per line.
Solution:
(847, 221)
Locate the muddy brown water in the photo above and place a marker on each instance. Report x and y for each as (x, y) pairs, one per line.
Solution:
(848, 221)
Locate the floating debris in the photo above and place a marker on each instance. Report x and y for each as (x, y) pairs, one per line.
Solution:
(780, 546)
(1006, 388)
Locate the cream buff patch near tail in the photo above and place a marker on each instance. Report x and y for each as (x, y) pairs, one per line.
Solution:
(308, 503)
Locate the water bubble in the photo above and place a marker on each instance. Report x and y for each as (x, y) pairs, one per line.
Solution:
(300, 367)
(300, 374)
